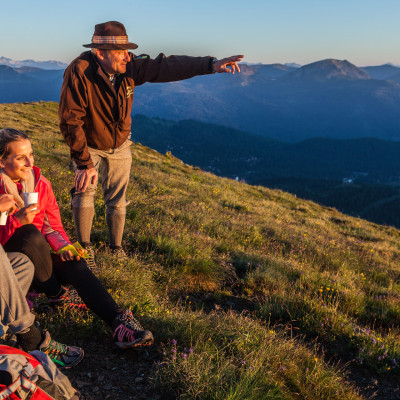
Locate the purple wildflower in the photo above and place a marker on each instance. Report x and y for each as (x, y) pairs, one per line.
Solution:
(173, 342)
(184, 355)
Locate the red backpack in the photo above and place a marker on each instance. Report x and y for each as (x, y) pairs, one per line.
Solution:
(31, 376)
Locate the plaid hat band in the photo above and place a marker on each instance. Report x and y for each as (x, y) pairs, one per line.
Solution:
(110, 35)
(110, 39)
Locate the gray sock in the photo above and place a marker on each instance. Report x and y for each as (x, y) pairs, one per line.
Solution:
(115, 223)
(83, 219)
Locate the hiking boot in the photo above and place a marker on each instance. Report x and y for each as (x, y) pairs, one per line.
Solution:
(62, 355)
(119, 253)
(69, 298)
(129, 333)
(90, 262)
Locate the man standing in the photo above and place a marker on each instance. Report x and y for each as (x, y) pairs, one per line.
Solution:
(95, 118)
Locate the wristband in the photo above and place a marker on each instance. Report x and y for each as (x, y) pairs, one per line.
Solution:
(211, 65)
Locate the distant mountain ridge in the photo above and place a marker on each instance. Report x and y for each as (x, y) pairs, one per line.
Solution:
(51, 64)
(328, 69)
(29, 84)
(359, 176)
(328, 98)
(256, 159)
(385, 71)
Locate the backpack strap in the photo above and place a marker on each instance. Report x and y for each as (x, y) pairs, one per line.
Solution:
(25, 374)
(21, 381)
(7, 350)
(10, 389)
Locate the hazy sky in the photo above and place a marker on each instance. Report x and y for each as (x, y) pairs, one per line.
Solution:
(365, 32)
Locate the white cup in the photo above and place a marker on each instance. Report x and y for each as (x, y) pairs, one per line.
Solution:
(3, 217)
(30, 198)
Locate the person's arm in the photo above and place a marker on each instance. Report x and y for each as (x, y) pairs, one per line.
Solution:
(72, 113)
(175, 68)
(14, 221)
(53, 229)
(167, 69)
(7, 203)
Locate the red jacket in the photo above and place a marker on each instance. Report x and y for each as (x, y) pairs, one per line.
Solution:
(47, 220)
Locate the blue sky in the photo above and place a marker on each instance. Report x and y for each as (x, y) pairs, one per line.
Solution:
(365, 32)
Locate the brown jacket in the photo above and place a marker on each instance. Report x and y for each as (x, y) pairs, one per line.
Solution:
(92, 113)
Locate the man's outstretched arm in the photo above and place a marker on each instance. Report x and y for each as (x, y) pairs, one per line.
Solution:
(175, 68)
(229, 64)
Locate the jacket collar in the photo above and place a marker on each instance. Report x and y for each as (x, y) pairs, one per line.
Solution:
(102, 73)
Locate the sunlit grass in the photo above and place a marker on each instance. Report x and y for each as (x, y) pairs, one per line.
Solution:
(310, 274)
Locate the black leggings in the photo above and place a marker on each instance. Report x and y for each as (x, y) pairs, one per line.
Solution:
(51, 272)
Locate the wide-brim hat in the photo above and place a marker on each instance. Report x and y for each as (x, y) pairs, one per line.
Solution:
(110, 35)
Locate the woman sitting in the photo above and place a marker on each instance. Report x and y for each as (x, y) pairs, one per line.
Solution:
(32, 228)
(16, 272)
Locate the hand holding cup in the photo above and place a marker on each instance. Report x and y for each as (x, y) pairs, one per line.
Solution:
(30, 198)
(7, 206)
(26, 215)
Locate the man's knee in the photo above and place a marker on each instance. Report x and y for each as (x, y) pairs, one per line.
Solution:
(116, 209)
(83, 199)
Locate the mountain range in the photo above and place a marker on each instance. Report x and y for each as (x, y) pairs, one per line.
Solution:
(48, 65)
(358, 176)
(29, 84)
(253, 158)
(329, 98)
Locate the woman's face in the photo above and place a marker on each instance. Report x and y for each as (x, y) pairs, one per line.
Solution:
(19, 162)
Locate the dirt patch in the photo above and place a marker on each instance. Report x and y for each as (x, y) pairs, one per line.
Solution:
(109, 373)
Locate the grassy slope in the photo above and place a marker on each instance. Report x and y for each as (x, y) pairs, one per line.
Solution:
(205, 248)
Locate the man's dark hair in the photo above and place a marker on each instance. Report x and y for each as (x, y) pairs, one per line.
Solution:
(7, 136)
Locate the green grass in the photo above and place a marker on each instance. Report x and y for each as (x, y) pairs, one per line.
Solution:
(313, 279)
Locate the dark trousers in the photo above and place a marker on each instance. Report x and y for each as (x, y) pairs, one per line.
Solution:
(51, 272)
